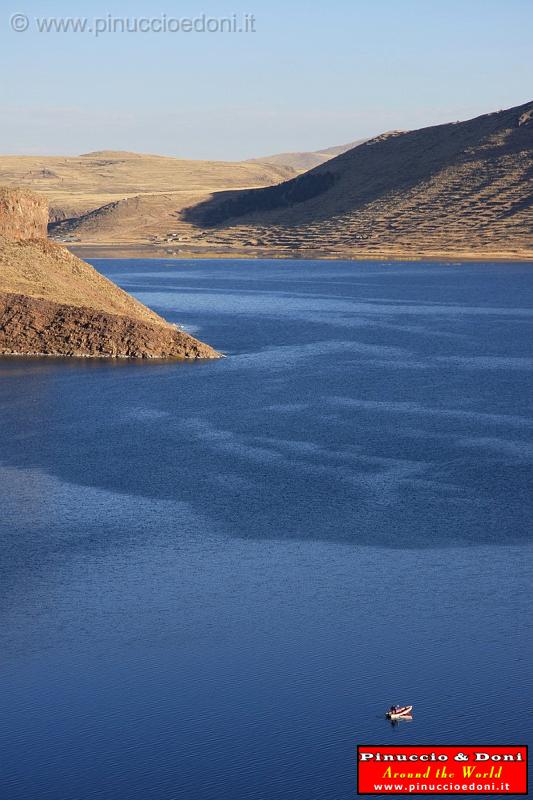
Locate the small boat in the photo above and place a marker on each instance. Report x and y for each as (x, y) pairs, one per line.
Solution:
(397, 712)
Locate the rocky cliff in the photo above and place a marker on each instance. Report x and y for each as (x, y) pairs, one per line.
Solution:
(52, 303)
(32, 326)
(23, 215)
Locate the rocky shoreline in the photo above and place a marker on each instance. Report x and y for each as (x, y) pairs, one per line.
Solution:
(125, 250)
(33, 326)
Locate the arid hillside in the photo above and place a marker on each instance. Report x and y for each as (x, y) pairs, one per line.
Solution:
(463, 188)
(459, 190)
(76, 184)
(151, 223)
(150, 219)
(51, 303)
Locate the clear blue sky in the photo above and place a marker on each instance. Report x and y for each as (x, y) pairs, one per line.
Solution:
(314, 74)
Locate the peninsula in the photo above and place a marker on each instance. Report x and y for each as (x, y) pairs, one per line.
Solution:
(52, 303)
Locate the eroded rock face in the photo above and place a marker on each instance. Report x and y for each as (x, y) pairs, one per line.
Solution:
(32, 326)
(23, 215)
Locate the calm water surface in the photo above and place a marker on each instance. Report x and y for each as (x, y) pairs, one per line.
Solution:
(215, 577)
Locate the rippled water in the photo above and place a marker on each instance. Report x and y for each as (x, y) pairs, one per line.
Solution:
(215, 577)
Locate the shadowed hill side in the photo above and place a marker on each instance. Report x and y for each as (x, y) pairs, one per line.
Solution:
(51, 303)
(285, 195)
(463, 186)
(74, 185)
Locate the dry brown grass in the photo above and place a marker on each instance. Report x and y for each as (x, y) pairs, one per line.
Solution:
(76, 184)
(41, 269)
(458, 188)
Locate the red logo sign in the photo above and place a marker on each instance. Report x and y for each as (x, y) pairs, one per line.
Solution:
(479, 769)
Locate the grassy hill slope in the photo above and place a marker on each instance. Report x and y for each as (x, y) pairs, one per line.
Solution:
(464, 187)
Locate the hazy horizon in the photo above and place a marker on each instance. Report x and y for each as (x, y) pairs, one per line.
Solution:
(306, 79)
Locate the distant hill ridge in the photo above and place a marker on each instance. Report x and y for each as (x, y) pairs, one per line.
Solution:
(114, 154)
(303, 161)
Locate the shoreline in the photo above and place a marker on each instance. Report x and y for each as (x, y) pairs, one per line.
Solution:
(149, 251)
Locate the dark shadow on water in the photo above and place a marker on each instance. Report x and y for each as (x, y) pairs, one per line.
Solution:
(260, 443)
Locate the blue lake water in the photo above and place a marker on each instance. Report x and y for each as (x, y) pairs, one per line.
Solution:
(215, 577)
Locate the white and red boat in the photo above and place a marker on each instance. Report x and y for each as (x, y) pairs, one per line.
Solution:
(397, 712)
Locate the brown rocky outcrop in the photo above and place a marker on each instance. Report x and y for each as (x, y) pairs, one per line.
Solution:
(30, 326)
(23, 215)
(52, 303)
